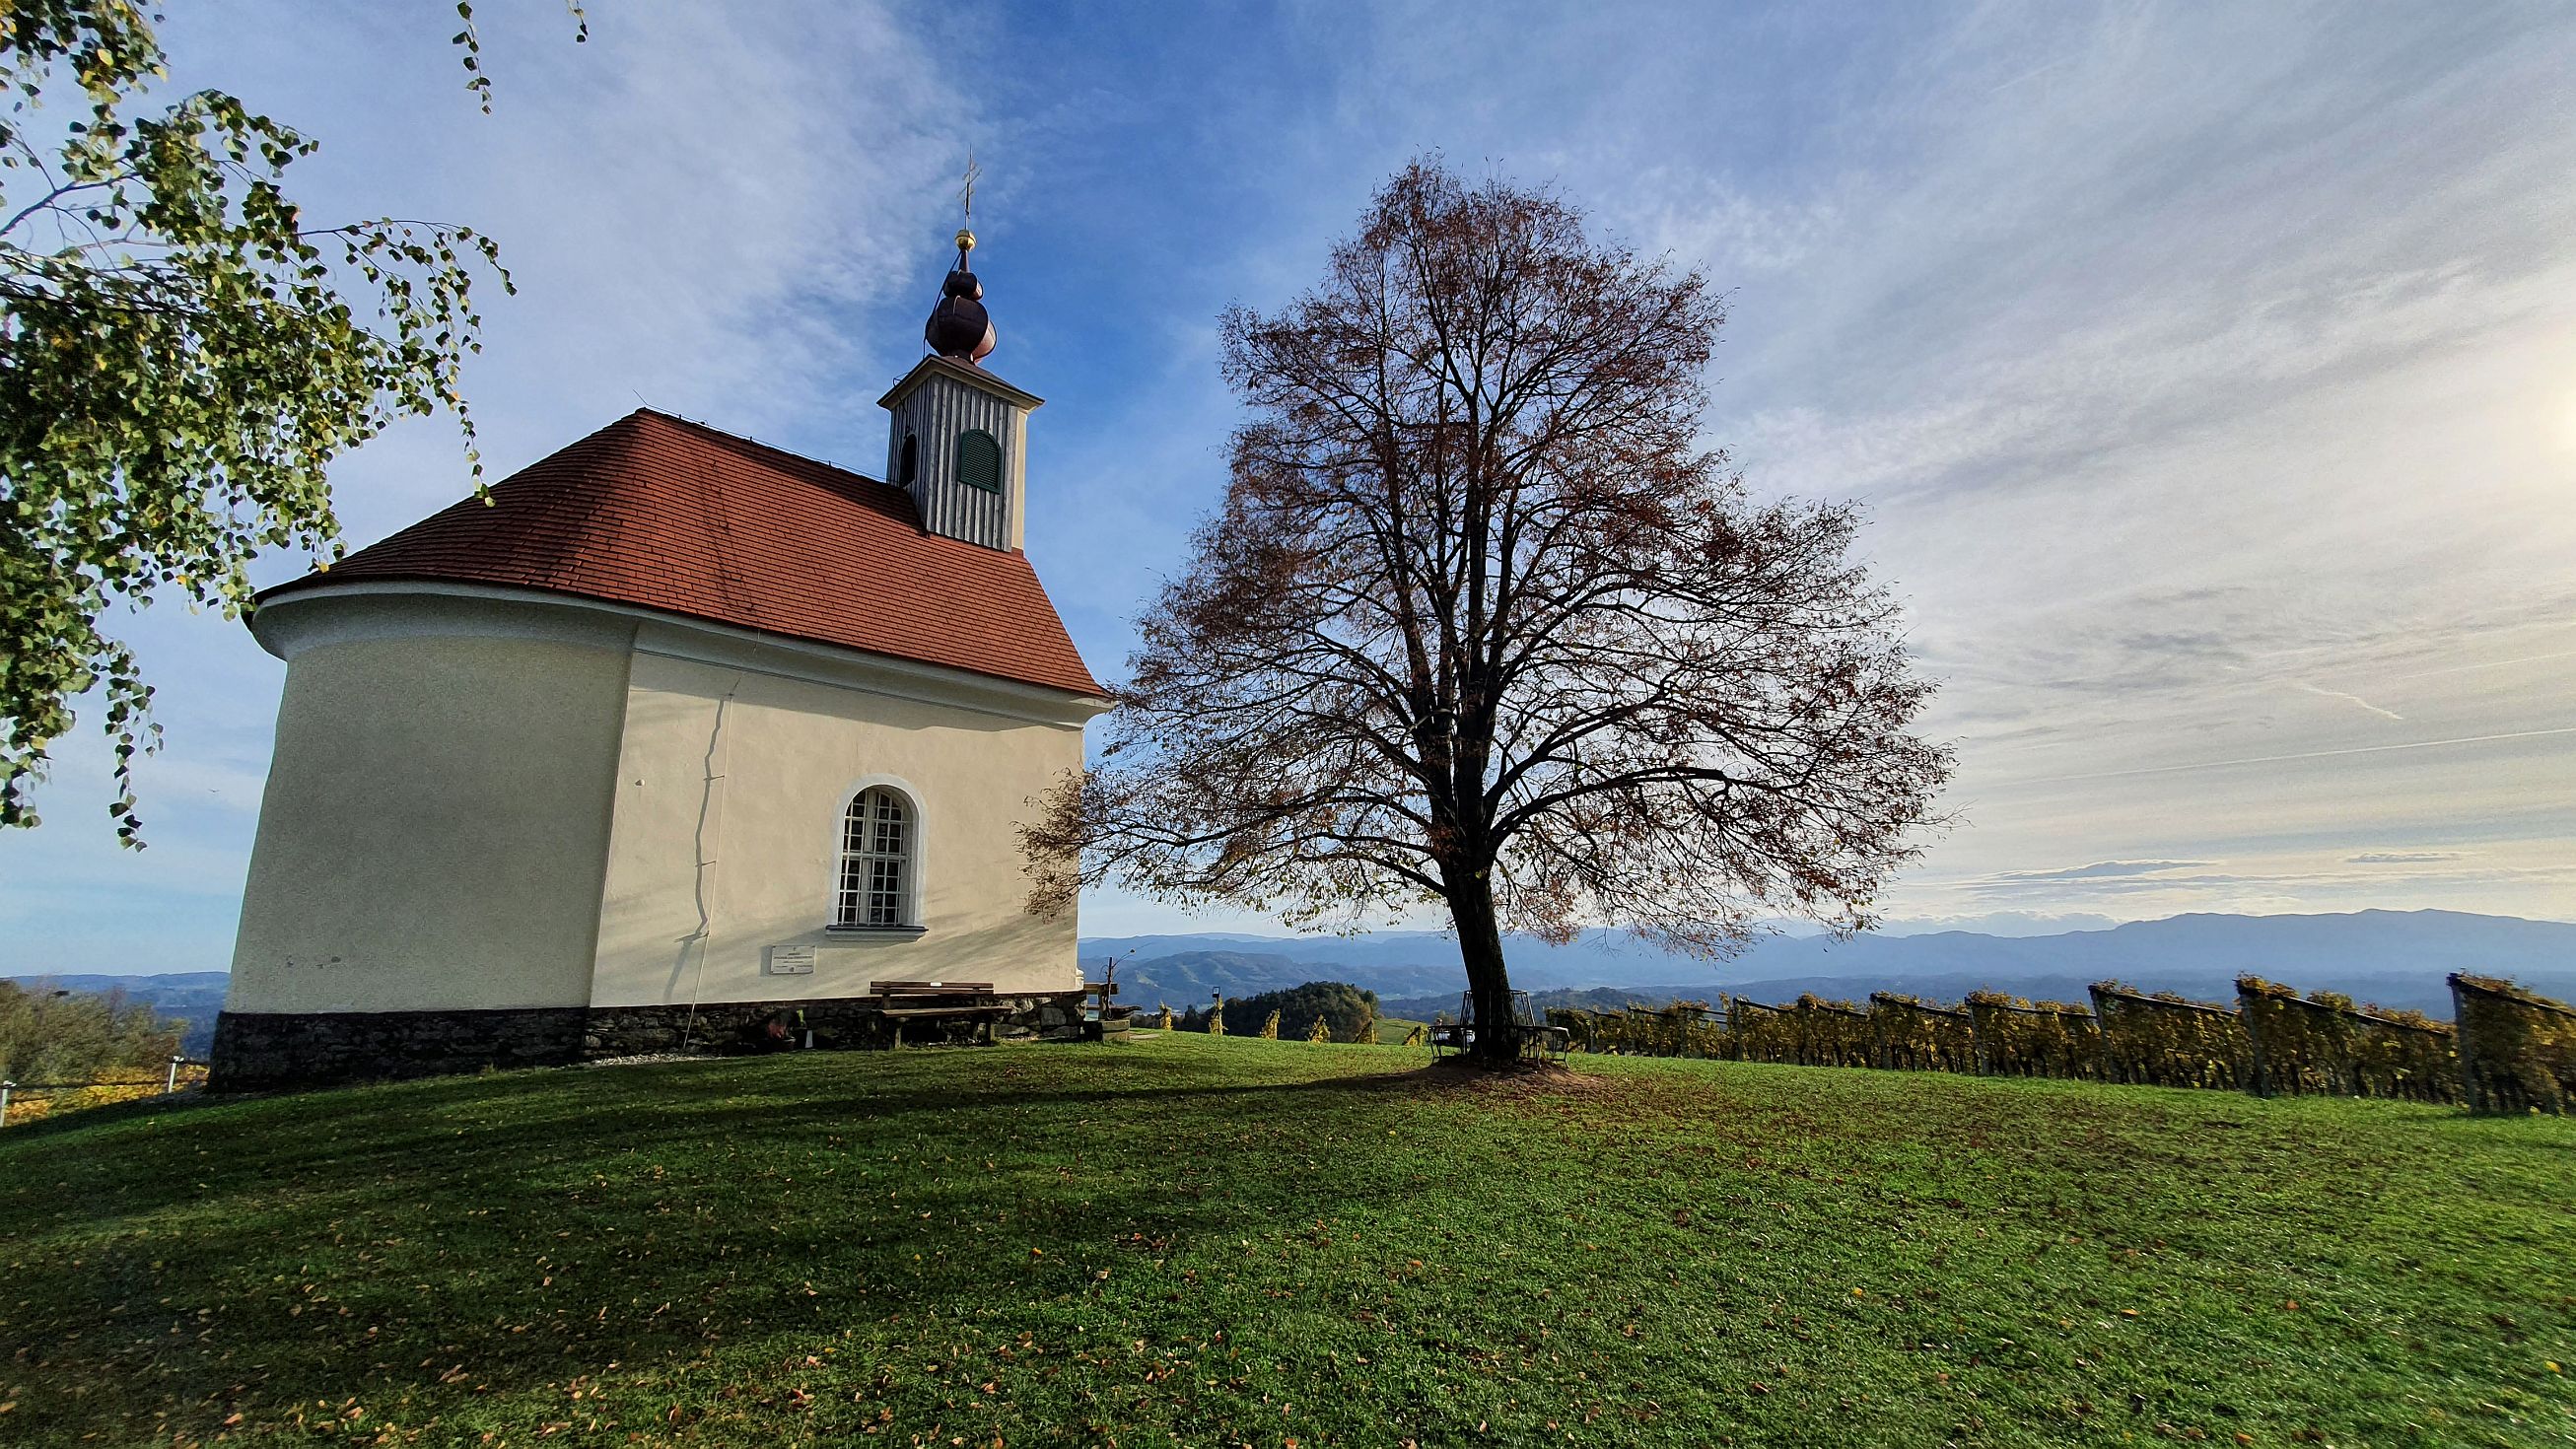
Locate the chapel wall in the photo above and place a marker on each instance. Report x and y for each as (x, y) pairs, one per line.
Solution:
(730, 787)
(435, 824)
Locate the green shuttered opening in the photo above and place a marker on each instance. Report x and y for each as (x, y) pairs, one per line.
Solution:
(979, 460)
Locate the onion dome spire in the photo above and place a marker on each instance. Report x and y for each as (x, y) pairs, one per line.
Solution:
(959, 327)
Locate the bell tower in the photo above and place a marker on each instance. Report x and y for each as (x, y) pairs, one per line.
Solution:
(958, 437)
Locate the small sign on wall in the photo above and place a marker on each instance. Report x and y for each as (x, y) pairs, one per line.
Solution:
(791, 960)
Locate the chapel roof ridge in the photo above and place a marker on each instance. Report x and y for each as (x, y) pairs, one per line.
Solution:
(773, 450)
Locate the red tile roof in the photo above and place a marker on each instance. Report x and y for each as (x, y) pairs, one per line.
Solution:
(666, 514)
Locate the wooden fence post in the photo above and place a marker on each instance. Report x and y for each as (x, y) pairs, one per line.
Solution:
(2461, 1039)
(2259, 1082)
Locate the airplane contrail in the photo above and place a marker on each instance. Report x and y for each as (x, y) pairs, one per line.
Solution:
(2351, 699)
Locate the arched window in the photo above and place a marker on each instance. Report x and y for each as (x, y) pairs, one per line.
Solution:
(979, 460)
(911, 470)
(877, 840)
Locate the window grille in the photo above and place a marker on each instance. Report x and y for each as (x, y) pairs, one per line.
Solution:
(876, 861)
(979, 460)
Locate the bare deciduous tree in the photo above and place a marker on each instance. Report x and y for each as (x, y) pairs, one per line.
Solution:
(1482, 623)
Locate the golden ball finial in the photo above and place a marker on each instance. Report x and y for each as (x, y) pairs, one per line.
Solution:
(965, 240)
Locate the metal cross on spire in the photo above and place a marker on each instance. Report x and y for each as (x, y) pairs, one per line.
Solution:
(966, 193)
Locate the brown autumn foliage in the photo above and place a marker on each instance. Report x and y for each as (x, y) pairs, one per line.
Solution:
(2517, 1047)
(1808, 1032)
(2325, 1043)
(2019, 1038)
(1917, 1035)
(1481, 622)
(2165, 1040)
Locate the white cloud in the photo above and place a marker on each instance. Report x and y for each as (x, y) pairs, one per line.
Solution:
(729, 220)
(719, 219)
(2204, 373)
(2207, 371)
(2103, 870)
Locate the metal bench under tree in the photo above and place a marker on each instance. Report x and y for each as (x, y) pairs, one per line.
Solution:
(1532, 1039)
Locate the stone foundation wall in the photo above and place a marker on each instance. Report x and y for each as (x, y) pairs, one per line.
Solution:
(1040, 1018)
(257, 1050)
(314, 1048)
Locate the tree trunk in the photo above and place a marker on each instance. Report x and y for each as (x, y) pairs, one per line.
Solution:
(1480, 949)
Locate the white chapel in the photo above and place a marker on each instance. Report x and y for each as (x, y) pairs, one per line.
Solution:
(678, 737)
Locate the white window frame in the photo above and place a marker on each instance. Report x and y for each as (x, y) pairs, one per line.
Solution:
(914, 859)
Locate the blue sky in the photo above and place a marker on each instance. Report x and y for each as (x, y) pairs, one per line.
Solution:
(2209, 373)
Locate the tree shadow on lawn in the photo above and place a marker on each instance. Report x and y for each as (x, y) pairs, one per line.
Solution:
(371, 1245)
(54, 1124)
(657, 1104)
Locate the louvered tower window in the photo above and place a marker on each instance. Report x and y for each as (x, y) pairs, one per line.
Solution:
(876, 861)
(911, 469)
(979, 460)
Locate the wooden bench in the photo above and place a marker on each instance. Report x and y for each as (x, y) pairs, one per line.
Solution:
(902, 1001)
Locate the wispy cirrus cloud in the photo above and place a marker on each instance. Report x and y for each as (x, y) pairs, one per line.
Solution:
(2103, 870)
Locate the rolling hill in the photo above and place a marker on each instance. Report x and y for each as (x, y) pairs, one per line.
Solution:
(2394, 958)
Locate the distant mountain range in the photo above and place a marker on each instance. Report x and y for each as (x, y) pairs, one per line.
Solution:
(2393, 958)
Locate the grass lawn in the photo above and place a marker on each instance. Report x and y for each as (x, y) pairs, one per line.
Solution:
(955, 1247)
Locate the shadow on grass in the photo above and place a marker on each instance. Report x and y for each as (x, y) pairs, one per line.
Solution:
(453, 1248)
(525, 1227)
(55, 1123)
